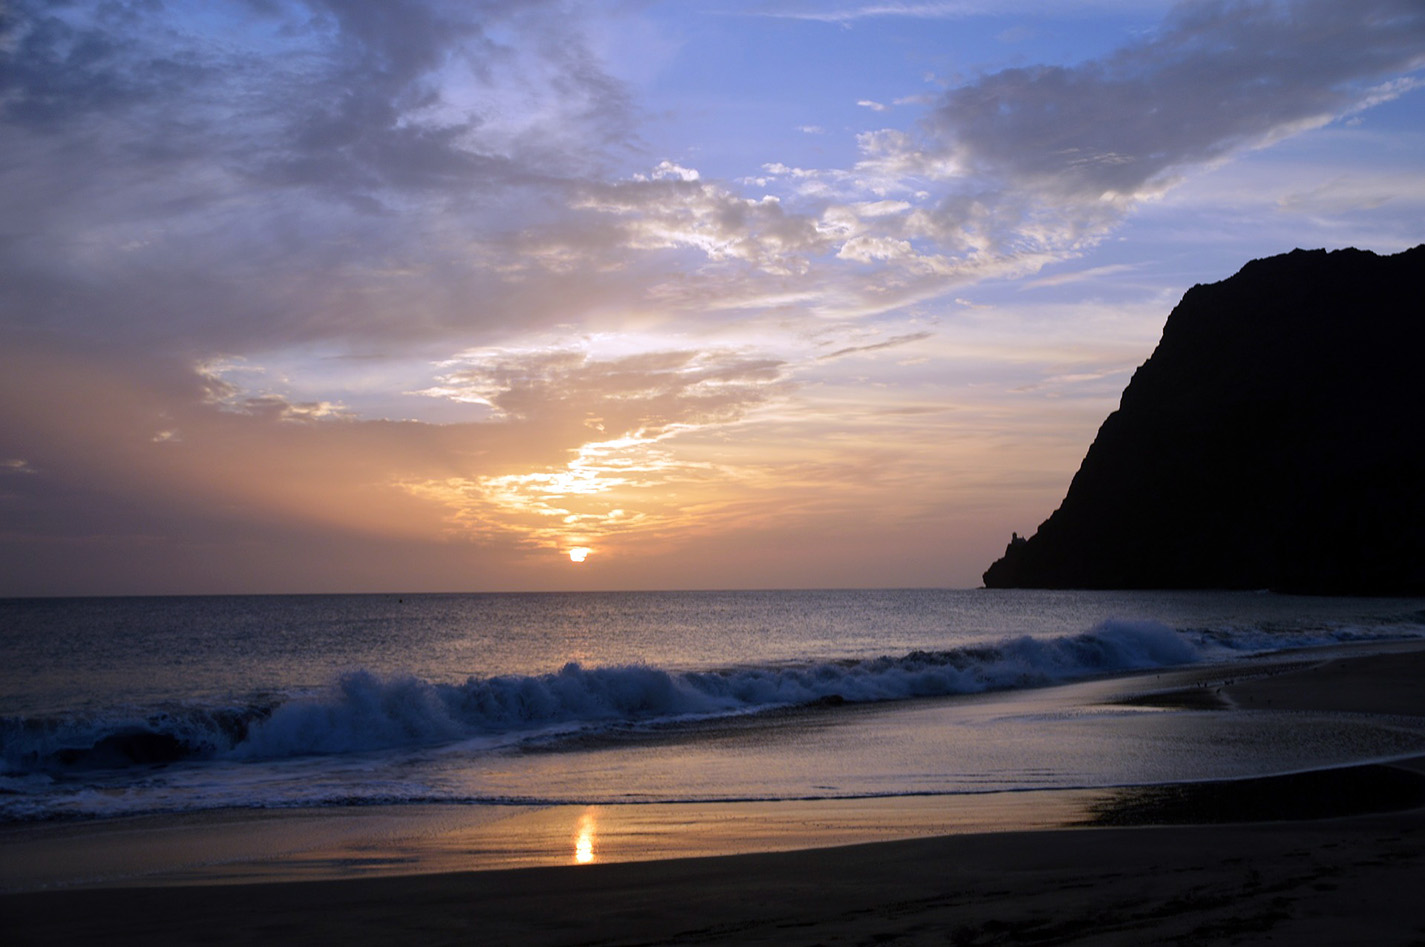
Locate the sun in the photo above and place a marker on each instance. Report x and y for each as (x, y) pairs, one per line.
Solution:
(579, 553)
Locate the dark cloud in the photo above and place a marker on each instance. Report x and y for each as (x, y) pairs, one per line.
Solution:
(1217, 77)
(347, 124)
(876, 346)
(56, 72)
(345, 95)
(234, 177)
(381, 111)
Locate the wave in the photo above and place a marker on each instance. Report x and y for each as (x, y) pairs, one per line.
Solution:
(366, 712)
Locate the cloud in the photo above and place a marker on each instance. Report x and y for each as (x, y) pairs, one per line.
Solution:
(1079, 276)
(616, 415)
(462, 190)
(1345, 193)
(1078, 378)
(577, 451)
(876, 346)
(243, 176)
(675, 209)
(1028, 165)
(1060, 152)
(646, 394)
(944, 9)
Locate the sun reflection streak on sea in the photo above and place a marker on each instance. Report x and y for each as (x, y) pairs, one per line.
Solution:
(584, 853)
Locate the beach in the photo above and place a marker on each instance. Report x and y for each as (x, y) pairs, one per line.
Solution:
(1340, 859)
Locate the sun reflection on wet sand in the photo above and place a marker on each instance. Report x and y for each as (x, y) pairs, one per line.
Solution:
(584, 842)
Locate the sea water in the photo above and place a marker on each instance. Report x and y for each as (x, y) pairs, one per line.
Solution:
(123, 706)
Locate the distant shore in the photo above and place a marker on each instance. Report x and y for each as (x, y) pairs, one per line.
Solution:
(1345, 866)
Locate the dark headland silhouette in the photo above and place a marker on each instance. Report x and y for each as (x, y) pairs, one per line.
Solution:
(1275, 439)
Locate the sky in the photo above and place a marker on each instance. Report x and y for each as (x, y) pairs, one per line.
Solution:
(339, 296)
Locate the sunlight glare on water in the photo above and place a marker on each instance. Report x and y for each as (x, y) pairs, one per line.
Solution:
(584, 842)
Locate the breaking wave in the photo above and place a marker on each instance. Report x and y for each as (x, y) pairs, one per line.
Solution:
(364, 712)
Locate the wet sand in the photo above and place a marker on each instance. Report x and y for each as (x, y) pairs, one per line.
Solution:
(1324, 862)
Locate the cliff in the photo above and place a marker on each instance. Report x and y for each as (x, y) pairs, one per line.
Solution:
(1274, 439)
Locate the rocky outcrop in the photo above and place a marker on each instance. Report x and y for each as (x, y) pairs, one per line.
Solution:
(1274, 439)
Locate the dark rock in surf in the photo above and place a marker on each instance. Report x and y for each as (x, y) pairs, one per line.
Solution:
(1274, 439)
(117, 750)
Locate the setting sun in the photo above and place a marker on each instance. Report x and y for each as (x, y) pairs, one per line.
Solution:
(579, 553)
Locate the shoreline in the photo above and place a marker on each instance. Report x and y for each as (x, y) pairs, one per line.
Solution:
(227, 846)
(1329, 881)
(1242, 870)
(246, 847)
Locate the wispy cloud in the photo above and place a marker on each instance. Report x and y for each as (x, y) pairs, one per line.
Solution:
(876, 346)
(848, 14)
(616, 415)
(1079, 276)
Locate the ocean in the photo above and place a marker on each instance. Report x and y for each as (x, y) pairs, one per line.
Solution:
(115, 707)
